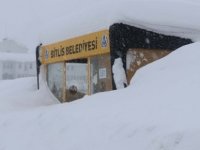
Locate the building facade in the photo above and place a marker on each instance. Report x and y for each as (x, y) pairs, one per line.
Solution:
(15, 61)
(102, 61)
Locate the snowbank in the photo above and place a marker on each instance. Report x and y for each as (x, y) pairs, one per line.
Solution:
(158, 111)
(22, 94)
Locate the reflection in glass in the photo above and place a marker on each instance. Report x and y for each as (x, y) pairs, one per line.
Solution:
(55, 79)
(76, 80)
(100, 68)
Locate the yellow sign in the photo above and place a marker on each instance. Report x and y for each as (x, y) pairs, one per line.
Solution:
(80, 47)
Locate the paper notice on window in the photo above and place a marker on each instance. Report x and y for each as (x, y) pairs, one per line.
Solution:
(94, 80)
(102, 73)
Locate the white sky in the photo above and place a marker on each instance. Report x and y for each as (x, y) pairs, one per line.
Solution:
(21, 19)
(25, 20)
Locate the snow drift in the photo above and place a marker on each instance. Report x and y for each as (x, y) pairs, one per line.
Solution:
(158, 111)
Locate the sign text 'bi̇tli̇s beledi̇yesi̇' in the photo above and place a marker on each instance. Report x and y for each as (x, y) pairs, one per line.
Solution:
(73, 49)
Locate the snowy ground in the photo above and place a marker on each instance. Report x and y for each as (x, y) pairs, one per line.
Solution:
(158, 111)
(22, 94)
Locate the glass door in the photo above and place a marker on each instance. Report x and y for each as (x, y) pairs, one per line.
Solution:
(56, 79)
(76, 79)
(100, 74)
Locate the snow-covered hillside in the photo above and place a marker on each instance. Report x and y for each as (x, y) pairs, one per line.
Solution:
(159, 110)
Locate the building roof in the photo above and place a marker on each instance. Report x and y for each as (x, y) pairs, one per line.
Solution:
(11, 46)
(101, 15)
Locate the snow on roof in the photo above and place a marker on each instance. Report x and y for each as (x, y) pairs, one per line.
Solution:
(172, 17)
(9, 45)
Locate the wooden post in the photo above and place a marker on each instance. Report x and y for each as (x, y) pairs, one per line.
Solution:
(64, 82)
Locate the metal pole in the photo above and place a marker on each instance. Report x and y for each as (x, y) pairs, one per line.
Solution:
(38, 63)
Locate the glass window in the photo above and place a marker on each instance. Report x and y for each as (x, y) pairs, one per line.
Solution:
(31, 66)
(100, 74)
(55, 80)
(20, 65)
(76, 79)
(25, 67)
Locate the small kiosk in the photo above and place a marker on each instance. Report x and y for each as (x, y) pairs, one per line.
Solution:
(84, 65)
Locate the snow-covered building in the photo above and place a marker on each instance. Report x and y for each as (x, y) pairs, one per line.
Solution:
(11, 46)
(87, 64)
(15, 61)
